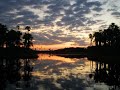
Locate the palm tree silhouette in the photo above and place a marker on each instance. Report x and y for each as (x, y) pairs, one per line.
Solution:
(98, 40)
(108, 37)
(91, 38)
(28, 28)
(108, 73)
(18, 38)
(18, 27)
(27, 40)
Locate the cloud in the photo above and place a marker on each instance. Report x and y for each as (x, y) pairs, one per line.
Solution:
(72, 11)
(71, 15)
(116, 14)
(56, 37)
(55, 7)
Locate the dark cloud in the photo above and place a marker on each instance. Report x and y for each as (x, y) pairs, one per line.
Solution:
(97, 15)
(72, 15)
(24, 18)
(103, 26)
(98, 9)
(77, 10)
(116, 14)
(94, 3)
(111, 9)
(12, 13)
(90, 22)
(59, 23)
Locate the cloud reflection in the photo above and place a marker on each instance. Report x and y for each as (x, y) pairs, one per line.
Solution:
(61, 71)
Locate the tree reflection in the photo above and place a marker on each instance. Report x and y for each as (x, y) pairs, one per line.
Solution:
(108, 73)
(14, 70)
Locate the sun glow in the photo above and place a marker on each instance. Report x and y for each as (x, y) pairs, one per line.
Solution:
(55, 46)
(53, 57)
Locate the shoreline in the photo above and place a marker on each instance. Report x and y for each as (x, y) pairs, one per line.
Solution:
(17, 52)
(101, 54)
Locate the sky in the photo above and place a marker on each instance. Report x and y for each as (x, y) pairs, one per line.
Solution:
(60, 23)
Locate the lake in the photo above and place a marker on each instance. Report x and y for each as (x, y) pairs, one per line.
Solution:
(50, 72)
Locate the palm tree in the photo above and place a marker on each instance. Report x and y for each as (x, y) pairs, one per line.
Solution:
(28, 28)
(18, 27)
(104, 37)
(98, 38)
(18, 38)
(108, 37)
(27, 40)
(113, 33)
(19, 34)
(91, 38)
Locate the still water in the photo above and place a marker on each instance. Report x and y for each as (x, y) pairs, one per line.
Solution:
(50, 72)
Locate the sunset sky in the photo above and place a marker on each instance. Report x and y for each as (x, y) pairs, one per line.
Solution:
(60, 23)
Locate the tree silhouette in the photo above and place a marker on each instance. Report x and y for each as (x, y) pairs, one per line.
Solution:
(27, 40)
(14, 70)
(18, 27)
(18, 38)
(3, 30)
(91, 38)
(98, 38)
(28, 28)
(11, 67)
(108, 37)
(108, 73)
(13, 38)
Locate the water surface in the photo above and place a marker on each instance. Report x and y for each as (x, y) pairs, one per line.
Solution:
(55, 72)
(50, 72)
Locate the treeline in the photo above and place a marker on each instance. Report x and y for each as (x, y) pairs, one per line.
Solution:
(107, 37)
(15, 38)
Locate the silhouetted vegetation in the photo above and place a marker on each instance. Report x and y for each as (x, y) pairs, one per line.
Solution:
(108, 73)
(107, 41)
(13, 38)
(107, 45)
(16, 42)
(13, 71)
(70, 50)
(27, 40)
(15, 45)
(107, 37)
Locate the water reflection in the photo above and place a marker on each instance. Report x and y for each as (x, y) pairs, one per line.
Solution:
(59, 73)
(50, 72)
(109, 74)
(61, 66)
(14, 72)
(56, 72)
